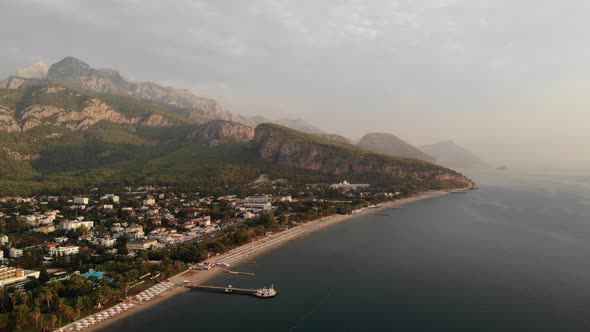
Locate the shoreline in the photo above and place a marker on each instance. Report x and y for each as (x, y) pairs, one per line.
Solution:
(258, 247)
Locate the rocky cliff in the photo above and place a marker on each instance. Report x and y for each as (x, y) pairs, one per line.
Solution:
(289, 148)
(391, 145)
(26, 108)
(91, 112)
(219, 131)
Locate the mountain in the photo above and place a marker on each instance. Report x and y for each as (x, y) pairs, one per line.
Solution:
(331, 160)
(36, 70)
(449, 154)
(391, 145)
(83, 127)
(77, 74)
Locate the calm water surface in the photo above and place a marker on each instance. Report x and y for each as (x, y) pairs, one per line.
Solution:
(513, 256)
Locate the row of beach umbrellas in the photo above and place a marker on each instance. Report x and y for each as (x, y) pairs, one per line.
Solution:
(99, 317)
(153, 291)
(146, 295)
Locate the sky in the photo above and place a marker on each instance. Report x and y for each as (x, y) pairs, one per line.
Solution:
(507, 79)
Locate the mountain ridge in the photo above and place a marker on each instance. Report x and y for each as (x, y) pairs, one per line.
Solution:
(449, 154)
(389, 144)
(72, 71)
(293, 149)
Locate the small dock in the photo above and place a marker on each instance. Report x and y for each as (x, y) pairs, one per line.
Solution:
(240, 273)
(228, 289)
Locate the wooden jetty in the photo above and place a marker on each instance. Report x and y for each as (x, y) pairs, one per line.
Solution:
(240, 273)
(229, 289)
(263, 293)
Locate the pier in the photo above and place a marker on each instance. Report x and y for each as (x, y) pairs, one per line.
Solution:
(260, 293)
(240, 273)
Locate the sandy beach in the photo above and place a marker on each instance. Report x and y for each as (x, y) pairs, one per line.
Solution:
(247, 252)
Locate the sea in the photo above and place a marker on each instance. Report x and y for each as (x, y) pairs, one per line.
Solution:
(511, 256)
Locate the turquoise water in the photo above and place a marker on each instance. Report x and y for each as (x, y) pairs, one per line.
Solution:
(98, 275)
(512, 256)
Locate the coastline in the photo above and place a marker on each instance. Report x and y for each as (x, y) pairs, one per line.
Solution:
(248, 251)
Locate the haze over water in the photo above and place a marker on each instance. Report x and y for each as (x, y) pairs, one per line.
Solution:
(512, 256)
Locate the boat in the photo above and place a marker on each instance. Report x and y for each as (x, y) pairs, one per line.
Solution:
(229, 289)
(264, 292)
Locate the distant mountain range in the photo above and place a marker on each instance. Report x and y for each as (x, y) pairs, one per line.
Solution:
(78, 75)
(449, 154)
(70, 126)
(391, 145)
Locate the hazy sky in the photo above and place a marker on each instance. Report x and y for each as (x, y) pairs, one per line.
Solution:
(509, 79)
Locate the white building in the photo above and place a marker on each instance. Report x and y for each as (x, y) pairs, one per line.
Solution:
(142, 245)
(107, 242)
(285, 198)
(75, 224)
(15, 253)
(81, 200)
(64, 251)
(4, 239)
(149, 201)
(137, 235)
(61, 239)
(10, 275)
(349, 186)
(258, 199)
(258, 202)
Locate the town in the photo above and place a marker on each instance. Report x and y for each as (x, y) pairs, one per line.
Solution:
(67, 256)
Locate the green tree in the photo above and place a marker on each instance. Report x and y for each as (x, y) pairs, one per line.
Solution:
(44, 275)
(18, 318)
(53, 319)
(36, 316)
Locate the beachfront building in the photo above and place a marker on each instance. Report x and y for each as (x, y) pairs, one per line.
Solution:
(142, 245)
(348, 186)
(10, 275)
